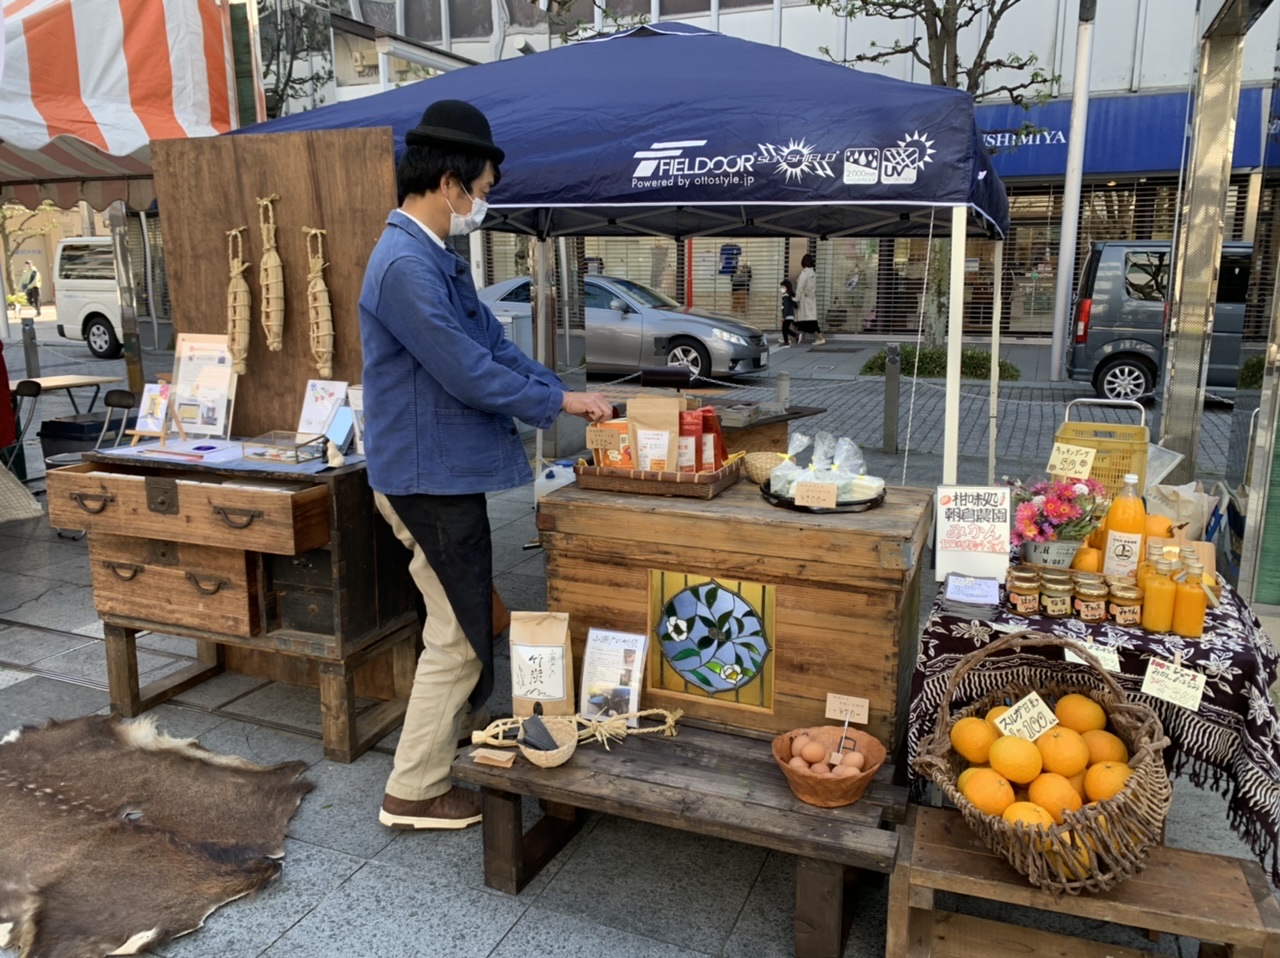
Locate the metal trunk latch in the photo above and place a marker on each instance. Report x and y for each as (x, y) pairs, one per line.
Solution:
(162, 495)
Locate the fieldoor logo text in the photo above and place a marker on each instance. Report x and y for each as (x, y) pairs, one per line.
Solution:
(665, 164)
(680, 163)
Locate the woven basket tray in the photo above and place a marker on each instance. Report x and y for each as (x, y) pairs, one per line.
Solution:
(1097, 847)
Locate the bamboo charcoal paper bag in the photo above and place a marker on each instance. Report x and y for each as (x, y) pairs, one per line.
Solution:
(653, 423)
(541, 664)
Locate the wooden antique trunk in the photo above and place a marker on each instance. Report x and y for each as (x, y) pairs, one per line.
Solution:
(754, 613)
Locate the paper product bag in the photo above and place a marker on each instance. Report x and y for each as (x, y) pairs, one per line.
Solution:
(541, 664)
(653, 424)
(1181, 504)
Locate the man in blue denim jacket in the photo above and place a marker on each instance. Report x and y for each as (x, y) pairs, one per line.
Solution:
(441, 385)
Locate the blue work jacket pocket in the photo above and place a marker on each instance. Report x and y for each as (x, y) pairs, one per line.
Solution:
(469, 442)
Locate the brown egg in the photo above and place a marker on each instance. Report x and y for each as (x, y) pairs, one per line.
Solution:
(854, 760)
(820, 768)
(814, 752)
(799, 742)
(798, 762)
(844, 771)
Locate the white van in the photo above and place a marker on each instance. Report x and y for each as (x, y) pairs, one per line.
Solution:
(86, 294)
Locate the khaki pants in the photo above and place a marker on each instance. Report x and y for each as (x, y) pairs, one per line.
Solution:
(447, 672)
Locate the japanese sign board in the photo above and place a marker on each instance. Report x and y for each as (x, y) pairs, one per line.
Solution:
(1071, 462)
(973, 531)
(1173, 683)
(1027, 718)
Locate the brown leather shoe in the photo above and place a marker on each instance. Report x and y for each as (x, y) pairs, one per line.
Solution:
(456, 808)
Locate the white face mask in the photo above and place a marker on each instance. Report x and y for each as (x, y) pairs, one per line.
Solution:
(460, 225)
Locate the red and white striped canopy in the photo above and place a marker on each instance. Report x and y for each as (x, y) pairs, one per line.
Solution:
(85, 85)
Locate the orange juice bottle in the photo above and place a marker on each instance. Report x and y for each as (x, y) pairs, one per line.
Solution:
(1190, 603)
(1157, 606)
(1126, 524)
(1155, 552)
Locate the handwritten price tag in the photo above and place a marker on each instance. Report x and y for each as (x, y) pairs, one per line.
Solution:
(817, 495)
(1105, 654)
(1072, 462)
(609, 440)
(1174, 684)
(1027, 718)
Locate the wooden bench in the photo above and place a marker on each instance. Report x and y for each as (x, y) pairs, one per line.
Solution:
(711, 783)
(1226, 903)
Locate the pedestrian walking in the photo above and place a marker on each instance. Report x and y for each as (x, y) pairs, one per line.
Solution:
(441, 387)
(30, 285)
(807, 300)
(740, 287)
(789, 331)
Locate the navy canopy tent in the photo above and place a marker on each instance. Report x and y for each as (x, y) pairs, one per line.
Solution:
(673, 130)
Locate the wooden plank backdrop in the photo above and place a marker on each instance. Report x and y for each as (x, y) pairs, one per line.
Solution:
(342, 181)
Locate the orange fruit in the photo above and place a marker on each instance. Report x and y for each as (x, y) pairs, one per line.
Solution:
(995, 713)
(1015, 758)
(964, 776)
(1088, 559)
(1074, 862)
(1029, 814)
(1055, 794)
(1080, 713)
(989, 791)
(1063, 751)
(1077, 782)
(972, 737)
(1105, 779)
(1159, 527)
(1105, 747)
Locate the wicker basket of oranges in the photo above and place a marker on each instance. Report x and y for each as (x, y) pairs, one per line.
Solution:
(1078, 808)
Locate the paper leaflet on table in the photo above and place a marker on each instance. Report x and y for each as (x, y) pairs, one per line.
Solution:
(320, 403)
(612, 667)
(204, 385)
(973, 531)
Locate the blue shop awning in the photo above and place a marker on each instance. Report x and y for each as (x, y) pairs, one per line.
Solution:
(1143, 133)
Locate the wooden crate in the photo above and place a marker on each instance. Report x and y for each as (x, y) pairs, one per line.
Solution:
(1213, 898)
(844, 591)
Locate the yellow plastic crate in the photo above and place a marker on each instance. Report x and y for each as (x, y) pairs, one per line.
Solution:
(1120, 448)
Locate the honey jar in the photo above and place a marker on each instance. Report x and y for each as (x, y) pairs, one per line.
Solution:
(1125, 605)
(1024, 593)
(1091, 602)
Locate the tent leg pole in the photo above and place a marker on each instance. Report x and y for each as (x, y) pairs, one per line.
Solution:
(997, 303)
(955, 330)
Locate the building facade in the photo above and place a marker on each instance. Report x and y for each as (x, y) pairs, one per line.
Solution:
(1145, 53)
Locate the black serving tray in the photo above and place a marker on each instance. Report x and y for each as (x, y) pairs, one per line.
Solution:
(782, 502)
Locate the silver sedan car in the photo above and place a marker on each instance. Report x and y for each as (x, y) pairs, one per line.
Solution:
(630, 326)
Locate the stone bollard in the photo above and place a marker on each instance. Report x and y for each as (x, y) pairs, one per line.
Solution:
(892, 377)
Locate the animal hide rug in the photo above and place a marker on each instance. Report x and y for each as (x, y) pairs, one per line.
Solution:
(115, 838)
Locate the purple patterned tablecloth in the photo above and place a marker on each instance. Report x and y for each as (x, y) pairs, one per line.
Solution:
(1231, 744)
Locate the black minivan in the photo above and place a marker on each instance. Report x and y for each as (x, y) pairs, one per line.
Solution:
(1120, 315)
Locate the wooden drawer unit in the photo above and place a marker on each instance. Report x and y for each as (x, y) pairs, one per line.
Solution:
(98, 497)
(178, 583)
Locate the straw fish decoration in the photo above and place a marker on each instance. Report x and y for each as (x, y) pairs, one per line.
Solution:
(271, 276)
(318, 306)
(239, 307)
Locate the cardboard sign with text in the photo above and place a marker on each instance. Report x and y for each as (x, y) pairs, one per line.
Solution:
(1173, 683)
(1071, 462)
(1028, 718)
(973, 531)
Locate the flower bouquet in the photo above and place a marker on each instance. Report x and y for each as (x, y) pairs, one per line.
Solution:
(1051, 519)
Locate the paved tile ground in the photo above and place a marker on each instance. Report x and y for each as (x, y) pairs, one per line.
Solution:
(353, 888)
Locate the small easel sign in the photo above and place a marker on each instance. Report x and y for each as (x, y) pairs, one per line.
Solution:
(154, 415)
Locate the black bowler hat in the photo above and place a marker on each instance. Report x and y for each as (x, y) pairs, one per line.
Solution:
(455, 123)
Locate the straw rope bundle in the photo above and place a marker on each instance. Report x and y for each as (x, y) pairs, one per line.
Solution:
(271, 276)
(1103, 843)
(318, 306)
(239, 302)
(600, 730)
